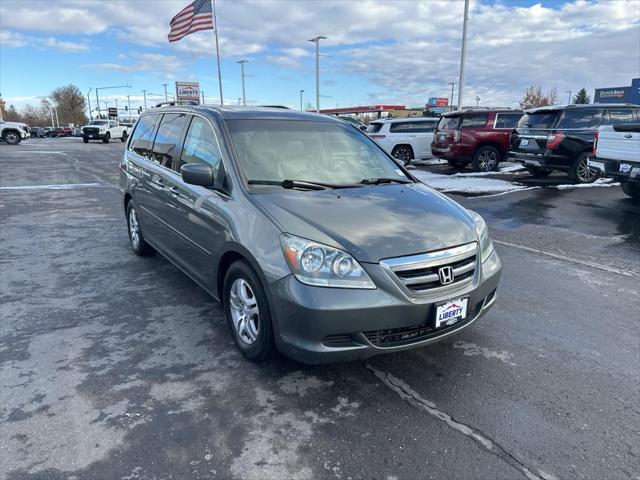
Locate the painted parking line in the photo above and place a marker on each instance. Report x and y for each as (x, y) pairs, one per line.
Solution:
(62, 186)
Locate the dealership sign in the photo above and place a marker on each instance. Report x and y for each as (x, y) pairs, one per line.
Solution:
(619, 94)
(438, 102)
(188, 91)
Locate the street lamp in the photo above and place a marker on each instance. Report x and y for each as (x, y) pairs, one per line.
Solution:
(144, 92)
(129, 105)
(242, 62)
(89, 102)
(569, 101)
(106, 88)
(451, 102)
(301, 92)
(477, 101)
(316, 40)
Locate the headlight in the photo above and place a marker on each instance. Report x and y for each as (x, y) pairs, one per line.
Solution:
(486, 246)
(320, 265)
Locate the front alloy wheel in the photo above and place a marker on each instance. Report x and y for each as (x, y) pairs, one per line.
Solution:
(403, 153)
(12, 138)
(244, 311)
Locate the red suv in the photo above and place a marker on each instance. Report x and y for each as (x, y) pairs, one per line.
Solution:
(479, 136)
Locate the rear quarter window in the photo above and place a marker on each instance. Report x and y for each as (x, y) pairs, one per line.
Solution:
(579, 118)
(374, 127)
(619, 116)
(474, 120)
(544, 119)
(507, 120)
(449, 123)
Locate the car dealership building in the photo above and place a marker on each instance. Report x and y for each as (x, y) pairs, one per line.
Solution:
(629, 94)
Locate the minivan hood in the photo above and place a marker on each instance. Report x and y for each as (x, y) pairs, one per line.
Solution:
(372, 222)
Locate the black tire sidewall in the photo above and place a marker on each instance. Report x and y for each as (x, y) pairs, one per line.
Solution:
(573, 172)
(263, 347)
(404, 162)
(143, 248)
(631, 189)
(85, 139)
(8, 134)
(106, 138)
(476, 157)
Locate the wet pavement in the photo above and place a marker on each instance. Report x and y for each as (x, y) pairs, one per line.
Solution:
(115, 366)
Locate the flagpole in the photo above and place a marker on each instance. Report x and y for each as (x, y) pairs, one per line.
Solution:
(215, 29)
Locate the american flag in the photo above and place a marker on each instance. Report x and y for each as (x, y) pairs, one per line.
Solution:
(193, 18)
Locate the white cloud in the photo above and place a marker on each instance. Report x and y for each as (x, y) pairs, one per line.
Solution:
(143, 62)
(10, 39)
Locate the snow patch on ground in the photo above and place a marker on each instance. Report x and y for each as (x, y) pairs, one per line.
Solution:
(601, 182)
(463, 184)
(505, 167)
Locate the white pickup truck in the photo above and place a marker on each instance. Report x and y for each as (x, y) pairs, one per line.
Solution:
(13, 132)
(104, 130)
(617, 155)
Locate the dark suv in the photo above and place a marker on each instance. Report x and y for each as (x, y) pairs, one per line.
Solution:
(561, 137)
(479, 137)
(305, 230)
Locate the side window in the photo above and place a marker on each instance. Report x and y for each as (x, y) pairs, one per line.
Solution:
(581, 118)
(619, 116)
(112, 124)
(424, 127)
(401, 127)
(507, 120)
(200, 145)
(168, 139)
(474, 120)
(142, 137)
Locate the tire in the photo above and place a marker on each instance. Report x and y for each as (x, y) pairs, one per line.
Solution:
(538, 172)
(85, 139)
(404, 153)
(631, 189)
(580, 171)
(243, 293)
(486, 159)
(459, 164)
(123, 138)
(136, 239)
(12, 137)
(106, 138)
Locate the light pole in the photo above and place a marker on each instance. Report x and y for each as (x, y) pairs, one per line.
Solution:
(462, 54)
(57, 121)
(569, 101)
(105, 88)
(129, 105)
(242, 62)
(166, 97)
(451, 101)
(477, 101)
(316, 40)
(144, 92)
(89, 103)
(301, 92)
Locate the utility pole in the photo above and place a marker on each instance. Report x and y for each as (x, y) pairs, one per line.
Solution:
(117, 112)
(301, 92)
(202, 93)
(463, 53)
(89, 103)
(166, 97)
(569, 101)
(451, 101)
(242, 62)
(129, 104)
(144, 92)
(316, 40)
(57, 120)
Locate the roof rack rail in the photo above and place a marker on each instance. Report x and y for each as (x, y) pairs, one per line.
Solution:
(176, 102)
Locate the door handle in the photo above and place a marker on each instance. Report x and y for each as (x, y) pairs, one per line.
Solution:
(159, 183)
(175, 190)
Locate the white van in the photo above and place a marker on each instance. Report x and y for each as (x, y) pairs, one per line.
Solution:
(404, 138)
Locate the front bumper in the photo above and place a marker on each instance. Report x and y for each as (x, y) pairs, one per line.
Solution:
(323, 325)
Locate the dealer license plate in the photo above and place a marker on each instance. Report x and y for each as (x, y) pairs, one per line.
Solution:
(451, 312)
(524, 142)
(625, 167)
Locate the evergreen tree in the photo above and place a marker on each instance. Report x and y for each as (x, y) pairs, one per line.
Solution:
(582, 96)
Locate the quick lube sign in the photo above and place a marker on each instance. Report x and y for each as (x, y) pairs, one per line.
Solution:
(188, 91)
(619, 94)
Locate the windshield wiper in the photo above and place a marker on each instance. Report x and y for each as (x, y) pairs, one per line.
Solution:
(378, 181)
(289, 184)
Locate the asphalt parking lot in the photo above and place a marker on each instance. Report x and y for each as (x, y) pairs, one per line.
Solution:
(115, 366)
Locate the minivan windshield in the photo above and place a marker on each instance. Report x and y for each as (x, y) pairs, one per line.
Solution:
(449, 123)
(543, 119)
(308, 151)
(99, 122)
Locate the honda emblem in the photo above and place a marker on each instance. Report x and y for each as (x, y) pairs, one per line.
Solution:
(446, 275)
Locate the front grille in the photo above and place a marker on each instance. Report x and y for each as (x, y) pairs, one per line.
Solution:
(419, 273)
(395, 337)
(91, 131)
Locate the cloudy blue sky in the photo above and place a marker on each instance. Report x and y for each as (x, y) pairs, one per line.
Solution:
(377, 51)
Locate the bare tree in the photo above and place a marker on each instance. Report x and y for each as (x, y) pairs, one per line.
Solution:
(71, 104)
(534, 97)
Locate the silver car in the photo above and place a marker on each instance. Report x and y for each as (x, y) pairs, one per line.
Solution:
(317, 243)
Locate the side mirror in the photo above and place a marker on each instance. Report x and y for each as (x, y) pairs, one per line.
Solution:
(197, 174)
(363, 128)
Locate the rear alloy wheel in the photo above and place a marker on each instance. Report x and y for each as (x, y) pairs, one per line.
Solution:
(631, 189)
(486, 159)
(538, 171)
(247, 312)
(106, 138)
(580, 170)
(11, 137)
(137, 241)
(404, 153)
(459, 164)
